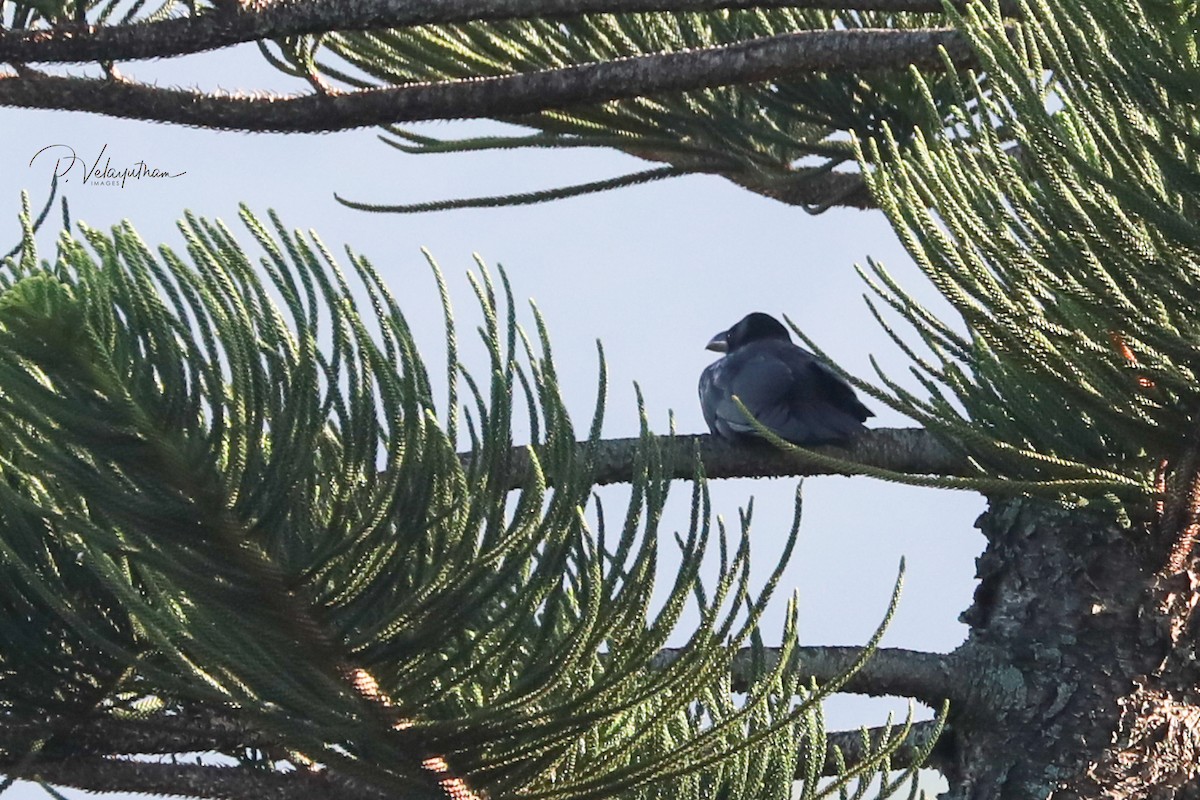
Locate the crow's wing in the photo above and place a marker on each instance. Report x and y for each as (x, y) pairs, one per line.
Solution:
(759, 379)
(705, 390)
(785, 388)
(838, 392)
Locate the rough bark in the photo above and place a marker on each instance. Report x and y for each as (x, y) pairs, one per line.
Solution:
(501, 97)
(1087, 690)
(248, 22)
(913, 451)
(195, 780)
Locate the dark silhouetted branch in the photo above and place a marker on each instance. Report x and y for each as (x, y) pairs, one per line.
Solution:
(274, 20)
(503, 97)
(850, 743)
(191, 732)
(196, 780)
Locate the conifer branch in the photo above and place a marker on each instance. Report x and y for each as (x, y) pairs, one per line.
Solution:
(930, 678)
(197, 732)
(91, 772)
(910, 450)
(497, 97)
(926, 677)
(159, 734)
(195, 780)
(815, 193)
(270, 611)
(274, 20)
(850, 743)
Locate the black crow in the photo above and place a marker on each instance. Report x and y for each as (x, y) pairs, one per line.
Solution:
(786, 388)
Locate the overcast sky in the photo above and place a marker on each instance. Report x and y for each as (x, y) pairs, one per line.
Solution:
(652, 271)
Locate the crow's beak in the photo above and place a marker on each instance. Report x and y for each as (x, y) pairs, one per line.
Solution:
(719, 343)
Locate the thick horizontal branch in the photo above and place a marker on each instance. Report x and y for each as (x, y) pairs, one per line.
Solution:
(89, 756)
(977, 681)
(845, 189)
(927, 677)
(908, 450)
(930, 678)
(508, 96)
(95, 774)
(193, 780)
(194, 732)
(850, 743)
(282, 18)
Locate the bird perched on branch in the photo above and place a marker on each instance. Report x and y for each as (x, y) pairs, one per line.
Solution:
(786, 388)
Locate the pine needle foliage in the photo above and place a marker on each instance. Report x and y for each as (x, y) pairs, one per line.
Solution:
(1046, 194)
(769, 136)
(40, 13)
(227, 491)
(1058, 216)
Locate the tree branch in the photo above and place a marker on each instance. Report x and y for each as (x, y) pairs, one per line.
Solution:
(930, 678)
(927, 677)
(851, 745)
(93, 773)
(194, 780)
(498, 97)
(845, 189)
(83, 759)
(189, 732)
(254, 22)
(907, 450)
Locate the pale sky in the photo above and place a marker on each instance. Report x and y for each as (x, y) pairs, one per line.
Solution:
(652, 271)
